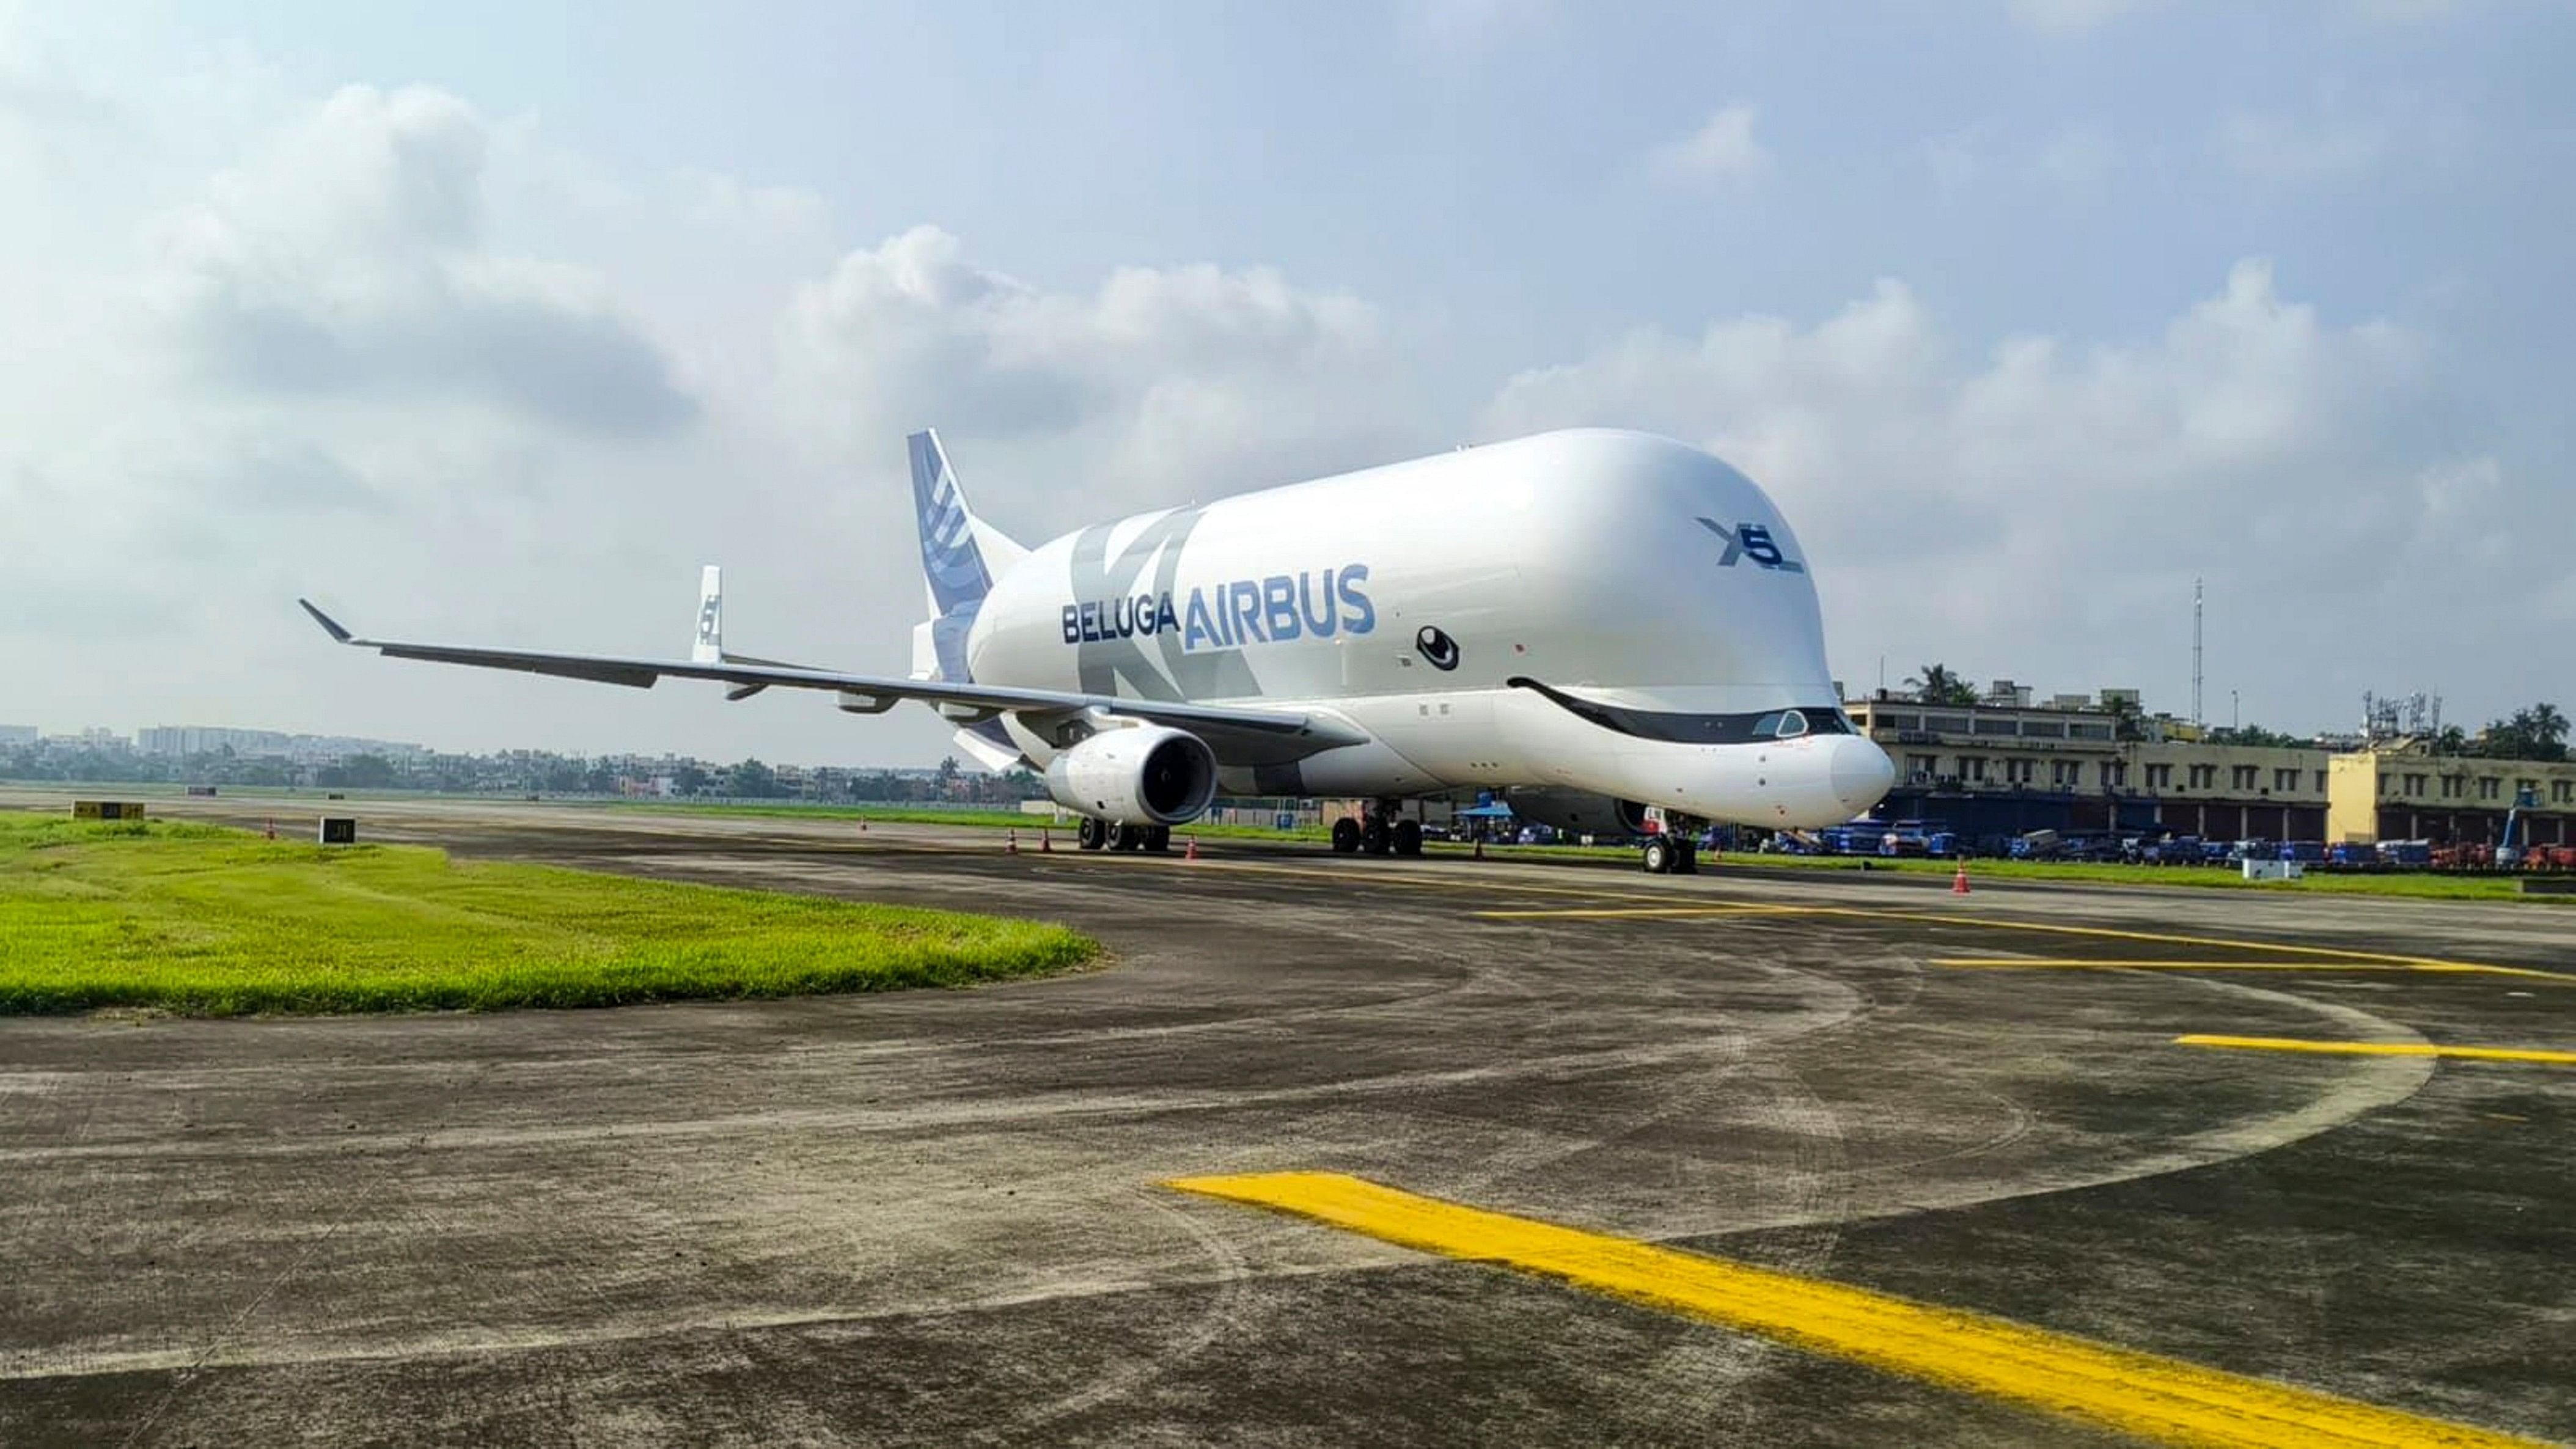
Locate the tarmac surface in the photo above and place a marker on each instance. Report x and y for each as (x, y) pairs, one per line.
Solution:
(943, 1217)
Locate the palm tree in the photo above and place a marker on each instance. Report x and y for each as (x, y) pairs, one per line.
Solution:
(2547, 731)
(1935, 684)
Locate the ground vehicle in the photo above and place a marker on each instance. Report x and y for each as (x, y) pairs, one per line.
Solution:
(1916, 837)
(1856, 837)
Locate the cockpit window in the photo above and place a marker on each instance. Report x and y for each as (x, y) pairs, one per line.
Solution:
(1696, 729)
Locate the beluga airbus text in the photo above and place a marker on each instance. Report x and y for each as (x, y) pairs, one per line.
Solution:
(1594, 621)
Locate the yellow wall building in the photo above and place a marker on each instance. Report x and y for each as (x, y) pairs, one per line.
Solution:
(1994, 769)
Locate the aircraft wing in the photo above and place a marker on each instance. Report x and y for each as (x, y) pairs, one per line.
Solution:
(1238, 736)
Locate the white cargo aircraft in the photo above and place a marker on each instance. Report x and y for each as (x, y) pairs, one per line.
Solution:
(1595, 622)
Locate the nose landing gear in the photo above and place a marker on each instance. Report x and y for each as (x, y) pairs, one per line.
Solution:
(1673, 852)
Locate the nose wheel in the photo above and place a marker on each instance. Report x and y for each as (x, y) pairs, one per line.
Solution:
(1671, 855)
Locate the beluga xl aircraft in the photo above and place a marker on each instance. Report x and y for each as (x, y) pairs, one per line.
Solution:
(1592, 622)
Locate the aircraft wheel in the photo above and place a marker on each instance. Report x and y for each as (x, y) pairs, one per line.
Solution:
(1130, 837)
(1408, 837)
(1158, 839)
(1093, 833)
(1659, 856)
(1375, 837)
(1346, 836)
(1685, 858)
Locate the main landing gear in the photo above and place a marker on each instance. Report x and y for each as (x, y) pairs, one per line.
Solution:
(1096, 834)
(1672, 853)
(1379, 831)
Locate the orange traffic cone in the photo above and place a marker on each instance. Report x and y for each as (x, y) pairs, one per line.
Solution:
(1959, 882)
(1012, 845)
(1193, 852)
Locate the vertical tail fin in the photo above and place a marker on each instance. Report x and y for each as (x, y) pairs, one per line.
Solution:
(960, 554)
(709, 648)
(960, 557)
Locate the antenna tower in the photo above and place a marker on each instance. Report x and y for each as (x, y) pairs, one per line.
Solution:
(2195, 651)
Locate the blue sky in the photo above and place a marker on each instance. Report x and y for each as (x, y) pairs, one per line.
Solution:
(486, 318)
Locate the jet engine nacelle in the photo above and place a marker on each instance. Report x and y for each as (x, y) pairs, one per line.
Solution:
(1577, 812)
(1138, 775)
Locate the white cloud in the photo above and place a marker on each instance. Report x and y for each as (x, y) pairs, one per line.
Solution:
(349, 257)
(1722, 149)
(2044, 504)
(1158, 384)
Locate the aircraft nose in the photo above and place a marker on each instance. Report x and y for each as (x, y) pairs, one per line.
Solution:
(1861, 773)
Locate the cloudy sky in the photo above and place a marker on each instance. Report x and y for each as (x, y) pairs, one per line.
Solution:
(490, 322)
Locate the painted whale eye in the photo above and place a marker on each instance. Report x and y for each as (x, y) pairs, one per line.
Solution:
(1436, 647)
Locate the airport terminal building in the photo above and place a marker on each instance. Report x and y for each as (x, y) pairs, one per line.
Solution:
(2007, 766)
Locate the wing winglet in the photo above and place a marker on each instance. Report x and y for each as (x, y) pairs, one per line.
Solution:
(329, 625)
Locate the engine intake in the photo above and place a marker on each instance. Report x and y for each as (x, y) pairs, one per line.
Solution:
(1140, 775)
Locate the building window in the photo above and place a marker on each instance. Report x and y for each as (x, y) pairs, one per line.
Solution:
(2065, 773)
(2049, 729)
(2115, 774)
(1946, 724)
(2415, 785)
(2204, 777)
(1900, 721)
(2490, 787)
(2018, 772)
(2563, 791)
(1920, 767)
(2085, 731)
(1972, 767)
(2321, 782)
(1989, 725)
(2159, 777)
(2242, 777)
(2451, 786)
(2285, 781)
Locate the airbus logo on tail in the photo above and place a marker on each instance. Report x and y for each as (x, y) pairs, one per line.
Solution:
(1753, 541)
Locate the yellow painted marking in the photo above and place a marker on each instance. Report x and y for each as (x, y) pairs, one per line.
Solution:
(2155, 1398)
(2114, 963)
(2000, 923)
(2380, 1049)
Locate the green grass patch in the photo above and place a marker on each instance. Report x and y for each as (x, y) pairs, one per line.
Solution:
(213, 922)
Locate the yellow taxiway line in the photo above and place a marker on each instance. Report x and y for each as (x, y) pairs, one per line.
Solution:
(2114, 963)
(2160, 1399)
(2380, 1049)
(2311, 955)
